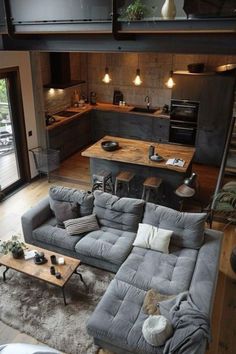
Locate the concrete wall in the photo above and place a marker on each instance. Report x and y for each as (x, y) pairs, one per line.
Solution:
(22, 60)
(154, 68)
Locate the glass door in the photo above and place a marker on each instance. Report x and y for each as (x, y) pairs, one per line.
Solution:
(12, 135)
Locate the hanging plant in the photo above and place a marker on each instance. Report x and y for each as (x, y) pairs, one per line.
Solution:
(135, 11)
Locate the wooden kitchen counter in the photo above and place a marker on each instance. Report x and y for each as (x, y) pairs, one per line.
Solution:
(79, 111)
(136, 152)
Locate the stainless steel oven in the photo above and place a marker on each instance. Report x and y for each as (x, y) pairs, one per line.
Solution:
(183, 121)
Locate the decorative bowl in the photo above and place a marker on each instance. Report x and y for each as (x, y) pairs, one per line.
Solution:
(110, 145)
(196, 67)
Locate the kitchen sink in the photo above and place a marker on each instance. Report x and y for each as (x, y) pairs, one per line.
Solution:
(144, 110)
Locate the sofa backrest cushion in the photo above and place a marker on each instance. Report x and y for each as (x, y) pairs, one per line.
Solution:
(118, 213)
(84, 200)
(188, 228)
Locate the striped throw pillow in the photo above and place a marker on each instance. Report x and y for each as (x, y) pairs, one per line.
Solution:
(81, 225)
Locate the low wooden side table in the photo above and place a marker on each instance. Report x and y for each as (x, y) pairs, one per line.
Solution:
(42, 271)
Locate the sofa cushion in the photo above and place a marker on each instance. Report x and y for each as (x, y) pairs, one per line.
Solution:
(188, 228)
(63, 210)
(149, 236)
(107, 244)
(118, 319)
(118, 213)
(81, 225)
(50, 234)
(169, 274)
(82, 198)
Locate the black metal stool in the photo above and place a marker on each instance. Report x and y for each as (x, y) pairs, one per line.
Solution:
(124, 177)
(102, 180)
(150, 184)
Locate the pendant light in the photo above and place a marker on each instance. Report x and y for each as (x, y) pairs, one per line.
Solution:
(106, 79)
(170, 82)
(137, 81)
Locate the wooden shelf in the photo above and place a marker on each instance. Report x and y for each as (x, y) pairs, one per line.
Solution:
(185, 72)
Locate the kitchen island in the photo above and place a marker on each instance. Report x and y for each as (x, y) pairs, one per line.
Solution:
(133, 156)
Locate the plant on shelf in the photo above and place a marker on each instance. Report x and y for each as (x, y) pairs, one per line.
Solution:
(14, 245)
(135, 11)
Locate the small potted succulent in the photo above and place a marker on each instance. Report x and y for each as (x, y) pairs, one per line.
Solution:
(135, 11)
(14, 245)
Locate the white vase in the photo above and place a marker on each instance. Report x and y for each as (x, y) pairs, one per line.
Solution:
(168, 10)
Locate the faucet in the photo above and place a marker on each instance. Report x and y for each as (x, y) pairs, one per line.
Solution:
(147, 99)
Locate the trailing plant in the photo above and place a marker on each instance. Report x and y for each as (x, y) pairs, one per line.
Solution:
(135, 11)
(12, 245)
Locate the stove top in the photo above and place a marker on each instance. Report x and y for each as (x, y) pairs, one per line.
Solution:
(65, 114)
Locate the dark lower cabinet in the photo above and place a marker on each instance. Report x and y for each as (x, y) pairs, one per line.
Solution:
(161, 129)
(135, 126)
(104, 123)
(71, 137)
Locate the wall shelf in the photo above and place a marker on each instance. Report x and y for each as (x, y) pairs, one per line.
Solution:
(185, 72)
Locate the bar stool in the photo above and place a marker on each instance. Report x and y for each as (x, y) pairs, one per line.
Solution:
(102, 180)
(124, 177)
(150, 184)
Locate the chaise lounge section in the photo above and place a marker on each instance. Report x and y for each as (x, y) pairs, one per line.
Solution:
(188, 269)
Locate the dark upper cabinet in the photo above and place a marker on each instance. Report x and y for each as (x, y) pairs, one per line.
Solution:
(187, 87)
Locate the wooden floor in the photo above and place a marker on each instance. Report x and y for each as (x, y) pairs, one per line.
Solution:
(75, 173)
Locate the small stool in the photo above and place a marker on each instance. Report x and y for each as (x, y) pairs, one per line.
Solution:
(102, 180)
(124, 177)
(150, 183)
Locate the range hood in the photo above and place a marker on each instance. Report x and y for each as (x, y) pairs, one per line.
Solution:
(60, 72)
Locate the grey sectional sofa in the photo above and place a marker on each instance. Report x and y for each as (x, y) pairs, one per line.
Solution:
(190, 267)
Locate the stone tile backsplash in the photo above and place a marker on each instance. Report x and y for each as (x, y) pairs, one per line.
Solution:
(155, 68)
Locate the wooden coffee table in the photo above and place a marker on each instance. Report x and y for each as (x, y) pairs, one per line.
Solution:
(42, 271)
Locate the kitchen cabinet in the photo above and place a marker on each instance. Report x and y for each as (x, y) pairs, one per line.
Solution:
(129, 125)
(215, 96)
(135, 126)
(104, 123)
(94, 125)
(161, 129)
(71, 137)
(215, 112)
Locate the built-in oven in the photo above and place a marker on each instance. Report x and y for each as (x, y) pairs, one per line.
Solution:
(183, 121)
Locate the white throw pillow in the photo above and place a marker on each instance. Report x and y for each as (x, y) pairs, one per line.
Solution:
(149, 236)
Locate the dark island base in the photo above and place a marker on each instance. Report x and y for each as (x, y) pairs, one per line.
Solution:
(165, 196)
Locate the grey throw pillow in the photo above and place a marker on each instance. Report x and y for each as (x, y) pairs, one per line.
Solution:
(63, 210)
(81, 225)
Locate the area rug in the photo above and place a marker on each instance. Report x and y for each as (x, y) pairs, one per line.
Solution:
(36, 308)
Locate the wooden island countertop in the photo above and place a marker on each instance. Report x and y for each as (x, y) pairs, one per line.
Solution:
(136, 152)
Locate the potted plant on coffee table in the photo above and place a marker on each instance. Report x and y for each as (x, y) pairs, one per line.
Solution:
(14, 245)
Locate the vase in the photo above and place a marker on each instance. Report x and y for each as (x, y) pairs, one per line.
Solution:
(168, 10)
